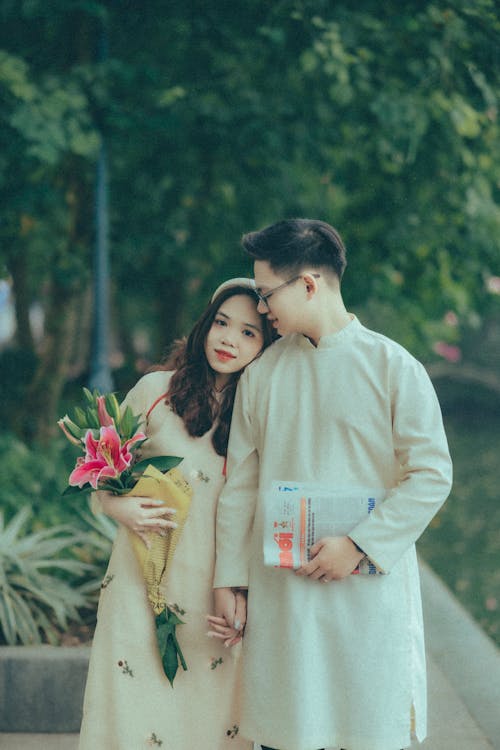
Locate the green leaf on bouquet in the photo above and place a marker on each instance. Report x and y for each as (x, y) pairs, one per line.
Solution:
(108, 487)
(127, 423)
(92, 419)
(162, 463)
(80, 417)
(72, 490)
(73, 429)
(88, 395)
(170, 651)
(113, 407)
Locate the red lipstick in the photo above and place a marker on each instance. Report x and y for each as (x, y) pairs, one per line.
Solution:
(223, 356)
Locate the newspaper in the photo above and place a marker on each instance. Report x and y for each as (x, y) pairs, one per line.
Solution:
(297, 515)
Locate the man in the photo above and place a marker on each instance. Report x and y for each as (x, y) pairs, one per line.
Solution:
(331, 659)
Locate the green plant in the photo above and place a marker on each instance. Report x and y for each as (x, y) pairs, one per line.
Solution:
(97, 549)
(38, 595)
(35, 477)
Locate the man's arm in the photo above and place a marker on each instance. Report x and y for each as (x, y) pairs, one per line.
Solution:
(421, 448)
(236, 507)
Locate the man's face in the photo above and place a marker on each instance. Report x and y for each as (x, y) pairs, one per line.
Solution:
(287, 299)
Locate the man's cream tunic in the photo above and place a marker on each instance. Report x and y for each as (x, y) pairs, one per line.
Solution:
(339, 664)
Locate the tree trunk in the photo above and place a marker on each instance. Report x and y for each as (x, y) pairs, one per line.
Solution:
(40, 413)
(68, 275)
(64, 303)
(18, 268)
(80, 346)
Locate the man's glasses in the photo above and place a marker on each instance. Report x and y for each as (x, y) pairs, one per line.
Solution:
(264, 297)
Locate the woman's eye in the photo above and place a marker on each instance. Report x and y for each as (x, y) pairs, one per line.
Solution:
(220, 322)
(248, 332)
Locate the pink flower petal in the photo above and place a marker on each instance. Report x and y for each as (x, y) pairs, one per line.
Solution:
(109, 446)
(87, 471)
(127, 455)
(90, 445)
(104, 418)
(107, 471)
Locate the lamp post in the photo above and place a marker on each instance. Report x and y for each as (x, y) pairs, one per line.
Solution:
(100, 371)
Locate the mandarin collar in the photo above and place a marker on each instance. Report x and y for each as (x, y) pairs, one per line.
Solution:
(330, 339)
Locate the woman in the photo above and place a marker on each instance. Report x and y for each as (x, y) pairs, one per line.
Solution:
(129, 703)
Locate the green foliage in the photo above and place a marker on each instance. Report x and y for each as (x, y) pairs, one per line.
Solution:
(53, 528)
(30, 476)
(100, 534)
(462, 543)
(17, 367)
(38, 596)
(382, 120)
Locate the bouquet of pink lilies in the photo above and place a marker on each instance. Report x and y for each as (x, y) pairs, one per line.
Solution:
(110, 440)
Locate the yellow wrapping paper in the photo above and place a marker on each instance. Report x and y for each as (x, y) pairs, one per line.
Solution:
(176, 493)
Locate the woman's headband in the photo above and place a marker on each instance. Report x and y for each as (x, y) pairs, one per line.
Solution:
(247, 283)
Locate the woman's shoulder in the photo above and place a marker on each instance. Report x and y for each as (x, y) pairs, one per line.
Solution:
(148, 389)
(155, 380)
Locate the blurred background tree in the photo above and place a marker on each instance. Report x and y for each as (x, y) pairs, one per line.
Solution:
(219, 118)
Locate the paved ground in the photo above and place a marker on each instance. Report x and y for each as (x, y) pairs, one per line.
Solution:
(451, 726)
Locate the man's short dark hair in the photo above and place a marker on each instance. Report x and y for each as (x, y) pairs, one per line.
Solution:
(294, 244)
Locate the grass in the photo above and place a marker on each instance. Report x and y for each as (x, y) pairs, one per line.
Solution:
(462, 543)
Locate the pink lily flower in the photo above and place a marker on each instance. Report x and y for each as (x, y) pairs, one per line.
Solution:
(105, 420)
(105, 458)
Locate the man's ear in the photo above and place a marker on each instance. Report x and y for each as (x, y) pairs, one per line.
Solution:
(311, 284)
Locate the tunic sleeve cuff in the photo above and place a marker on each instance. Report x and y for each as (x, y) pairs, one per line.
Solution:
(230, 577)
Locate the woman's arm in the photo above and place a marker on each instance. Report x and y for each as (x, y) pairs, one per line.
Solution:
(139, 514)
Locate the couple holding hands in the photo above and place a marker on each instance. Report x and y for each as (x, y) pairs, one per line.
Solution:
(277, 381)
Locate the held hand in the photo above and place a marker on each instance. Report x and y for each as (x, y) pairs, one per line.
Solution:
(220, 629)
(225, 604)
(334, 557)
(141, 515)
(229, 621)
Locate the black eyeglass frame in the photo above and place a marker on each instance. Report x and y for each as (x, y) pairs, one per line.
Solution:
(264, 297)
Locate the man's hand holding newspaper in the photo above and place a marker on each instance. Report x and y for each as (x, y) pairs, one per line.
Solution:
(307, 527)
(332, 558)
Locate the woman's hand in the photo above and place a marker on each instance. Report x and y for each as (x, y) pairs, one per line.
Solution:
(141, 515)
(229, 620)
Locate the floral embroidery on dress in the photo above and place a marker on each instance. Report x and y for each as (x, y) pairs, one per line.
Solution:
(198, 476)
(175, 608)
(154, 740)
(214, 663)
(106, 581)
(231, 733)
(123, 664)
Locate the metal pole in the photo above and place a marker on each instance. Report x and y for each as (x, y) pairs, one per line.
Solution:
(100, 372)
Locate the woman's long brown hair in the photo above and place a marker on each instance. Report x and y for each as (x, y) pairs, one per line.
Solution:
(191, 393)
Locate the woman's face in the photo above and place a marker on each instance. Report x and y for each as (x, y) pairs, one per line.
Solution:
(235, 337)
